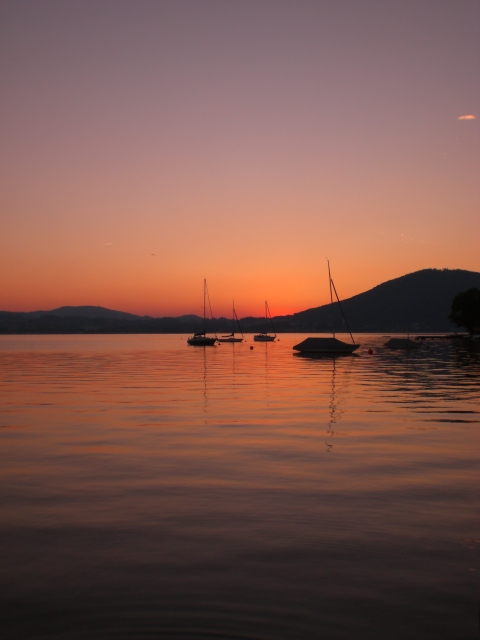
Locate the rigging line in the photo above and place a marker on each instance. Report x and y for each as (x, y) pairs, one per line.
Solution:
(204, 292)
(209, 305)
(331, 298)
(271, 319)
(341, 309)
(238, 321)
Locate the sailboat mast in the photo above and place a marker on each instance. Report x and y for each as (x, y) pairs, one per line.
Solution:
(269, 315)
(235, 317)
(204, 302)
(331, 298)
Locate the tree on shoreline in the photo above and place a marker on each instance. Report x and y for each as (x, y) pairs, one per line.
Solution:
(466, 310)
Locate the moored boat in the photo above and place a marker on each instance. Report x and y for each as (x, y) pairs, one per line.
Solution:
(401, 343)
(326, 346)
(231, 336)
(201, 339)
(266, 337)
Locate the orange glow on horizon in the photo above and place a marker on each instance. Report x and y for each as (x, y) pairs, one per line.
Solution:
(138, 166)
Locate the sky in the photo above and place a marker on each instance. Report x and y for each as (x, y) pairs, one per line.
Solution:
(148, 145)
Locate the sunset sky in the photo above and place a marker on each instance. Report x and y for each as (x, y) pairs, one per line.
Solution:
(242, 141)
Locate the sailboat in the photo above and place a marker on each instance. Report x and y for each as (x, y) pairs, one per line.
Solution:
(231, 336)
(266, 337)
(201, 339)
(328, 346)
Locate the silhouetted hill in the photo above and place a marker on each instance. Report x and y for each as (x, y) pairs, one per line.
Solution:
(86, 312)
(417, 302)
(48, 323)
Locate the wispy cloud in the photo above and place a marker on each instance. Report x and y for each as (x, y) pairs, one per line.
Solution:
(469, 117)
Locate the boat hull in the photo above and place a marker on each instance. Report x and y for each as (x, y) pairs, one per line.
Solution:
(401, 343)
(325, 346)
(201, 341)
(229, 339)
(264, 338)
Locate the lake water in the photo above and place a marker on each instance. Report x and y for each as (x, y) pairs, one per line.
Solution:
(154, 490)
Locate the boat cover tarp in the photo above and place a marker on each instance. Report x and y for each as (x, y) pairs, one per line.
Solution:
(324, 345)
(401, 343)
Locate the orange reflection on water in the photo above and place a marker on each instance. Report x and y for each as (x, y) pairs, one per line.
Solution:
(286, 475)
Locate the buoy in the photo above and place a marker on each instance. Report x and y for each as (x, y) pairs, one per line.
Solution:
(251, 348)
(370, 351)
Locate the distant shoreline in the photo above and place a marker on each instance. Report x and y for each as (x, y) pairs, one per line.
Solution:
(418, 302)
(386, 333)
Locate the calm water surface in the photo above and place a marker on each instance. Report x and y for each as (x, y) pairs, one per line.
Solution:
(155, 490)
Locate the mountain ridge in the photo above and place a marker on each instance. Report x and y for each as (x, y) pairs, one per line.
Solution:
(419, 301)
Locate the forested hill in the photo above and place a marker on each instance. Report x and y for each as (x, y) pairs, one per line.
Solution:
(415, 302)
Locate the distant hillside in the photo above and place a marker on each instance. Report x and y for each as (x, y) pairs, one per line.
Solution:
(86, 312)
(106, 321)
(417, 302)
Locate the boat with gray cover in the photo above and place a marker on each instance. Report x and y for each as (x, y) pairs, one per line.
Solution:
(325, 346)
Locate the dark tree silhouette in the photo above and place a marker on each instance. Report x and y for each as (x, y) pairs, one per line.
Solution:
(466, 310)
